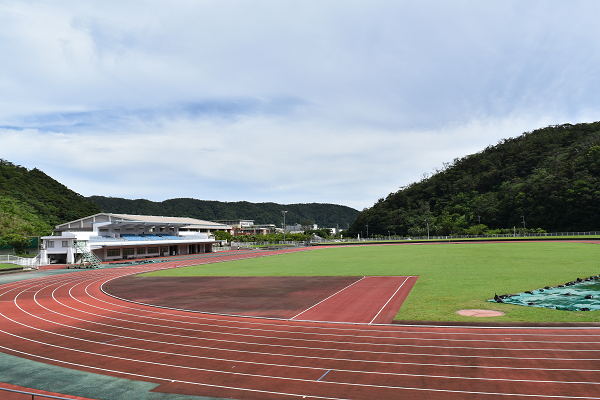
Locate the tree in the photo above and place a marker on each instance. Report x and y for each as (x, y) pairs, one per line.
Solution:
(307, 225)
(222, 235)
(18, 242)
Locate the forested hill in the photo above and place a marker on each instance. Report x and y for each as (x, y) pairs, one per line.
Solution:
(32, 203)
(324, 215)
(549, 176)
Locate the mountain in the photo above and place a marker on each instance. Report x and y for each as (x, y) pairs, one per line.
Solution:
(324, 215)
(32, 203)
(549, 178)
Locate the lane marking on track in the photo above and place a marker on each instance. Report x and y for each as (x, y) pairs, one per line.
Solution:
(288, 394)
(323, 376)
(102, 332)
(390, 299)
(339, 291)
(500, 394)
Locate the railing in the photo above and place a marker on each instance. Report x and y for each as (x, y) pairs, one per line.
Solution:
(276, 244)
(31, 262)
(452, 237)
(87, 257)
(224, 248)
(34, 395)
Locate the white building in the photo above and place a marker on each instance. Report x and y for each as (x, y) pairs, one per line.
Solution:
(121, 236)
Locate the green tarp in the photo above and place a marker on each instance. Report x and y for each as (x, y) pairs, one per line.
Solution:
(570, 297)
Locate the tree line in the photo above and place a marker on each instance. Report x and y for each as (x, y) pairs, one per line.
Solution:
(543, 180)
(327, 215)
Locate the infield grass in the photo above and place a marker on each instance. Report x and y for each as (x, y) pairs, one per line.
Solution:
(452, 277)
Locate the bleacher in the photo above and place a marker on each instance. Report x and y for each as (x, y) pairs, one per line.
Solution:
(134, 238)
(194, 237)
(170, 237)
(146, 238)
(153, 237)
(104, 239)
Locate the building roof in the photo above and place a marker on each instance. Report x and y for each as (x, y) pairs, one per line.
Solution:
(88, 222)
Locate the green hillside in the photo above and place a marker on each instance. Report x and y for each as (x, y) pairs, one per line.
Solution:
(549, 176)
(324, 215)
(32, 203)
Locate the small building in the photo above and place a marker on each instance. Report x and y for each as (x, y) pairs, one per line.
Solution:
(247, 227)
(122, 237)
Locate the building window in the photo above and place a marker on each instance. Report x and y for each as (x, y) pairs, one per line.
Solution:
(141, 250)
(50, 244)
(152, 250)
(127, 252)
(113, 252)
(65, 243)
(164, 249)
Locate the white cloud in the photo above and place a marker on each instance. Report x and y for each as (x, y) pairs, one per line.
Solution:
(282, 101)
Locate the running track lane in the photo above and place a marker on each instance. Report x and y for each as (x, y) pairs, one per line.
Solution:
(371, 299)
(67, 320)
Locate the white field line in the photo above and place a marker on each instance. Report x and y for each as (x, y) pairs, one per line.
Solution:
(386, 303)
(328, 297)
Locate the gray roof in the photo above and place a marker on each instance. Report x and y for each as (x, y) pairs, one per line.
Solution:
(148, 219)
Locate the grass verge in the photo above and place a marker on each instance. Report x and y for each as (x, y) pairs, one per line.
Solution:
(5, 266)
(451, 277)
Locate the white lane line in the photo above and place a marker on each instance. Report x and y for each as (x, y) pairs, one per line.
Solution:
(319, 334)
(390, 299)
(391, 328)
(325, 358)
(377, 337)
(71, 338)
(291, 339)
(449, 330)
(260, 376)
(237, 342)
(339, 291)
(167, 380)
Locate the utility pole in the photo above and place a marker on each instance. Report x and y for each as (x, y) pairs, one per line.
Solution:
(522, 216)
(427, 222)
(367, 231)
(283, 212)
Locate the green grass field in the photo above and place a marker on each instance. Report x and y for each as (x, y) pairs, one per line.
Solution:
(4, 266)
(451, 276)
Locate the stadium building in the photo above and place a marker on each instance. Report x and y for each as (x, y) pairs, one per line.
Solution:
(112, 237)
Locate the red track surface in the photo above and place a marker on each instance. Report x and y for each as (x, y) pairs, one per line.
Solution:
(370, 300)
(67, 320)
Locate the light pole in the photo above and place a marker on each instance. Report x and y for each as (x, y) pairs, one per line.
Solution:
(283, 212)
(427, 222)
(367, 231)
(522, 216)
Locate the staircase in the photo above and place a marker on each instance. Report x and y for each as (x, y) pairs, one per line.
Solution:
(88, 259)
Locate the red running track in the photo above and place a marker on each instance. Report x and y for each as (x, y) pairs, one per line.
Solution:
(68, 321)
(370, 300)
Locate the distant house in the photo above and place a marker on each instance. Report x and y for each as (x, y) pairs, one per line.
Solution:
(123, 236)
(247, 227)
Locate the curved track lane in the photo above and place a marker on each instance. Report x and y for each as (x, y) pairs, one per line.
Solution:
(67, 320)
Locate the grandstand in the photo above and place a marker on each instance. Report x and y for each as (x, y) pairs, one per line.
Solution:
(114, 237)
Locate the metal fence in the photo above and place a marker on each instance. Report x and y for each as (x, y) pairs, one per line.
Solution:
(36, 395)
(451, 237)
(28, 262)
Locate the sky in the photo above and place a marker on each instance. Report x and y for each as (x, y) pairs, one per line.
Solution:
(338, 102)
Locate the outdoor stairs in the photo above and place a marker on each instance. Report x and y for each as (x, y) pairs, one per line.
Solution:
(88, 259)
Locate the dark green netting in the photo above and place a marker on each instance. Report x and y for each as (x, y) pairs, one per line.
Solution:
(570, 297)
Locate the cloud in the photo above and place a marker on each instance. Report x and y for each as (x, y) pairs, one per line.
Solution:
(283, 101)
